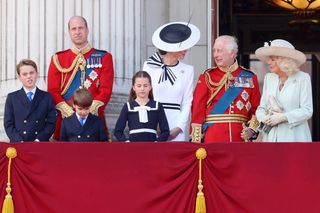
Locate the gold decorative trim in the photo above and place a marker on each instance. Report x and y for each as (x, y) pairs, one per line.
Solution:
(254, 123)
(225, 81)
(80, 63)
(65, 109)
(8, 206)
(226, 118)
(96, 104)
(200, 207)
(84, 50)
(196, 133)
(232, 68)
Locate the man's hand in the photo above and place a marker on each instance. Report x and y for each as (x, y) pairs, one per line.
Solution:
(248, 134)
(275, 118)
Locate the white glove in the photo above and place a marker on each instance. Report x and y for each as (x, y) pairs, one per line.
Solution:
(275, 106)
(276, 118)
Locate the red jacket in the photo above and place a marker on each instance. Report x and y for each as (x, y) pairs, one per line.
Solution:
(64, 71)
(227, 126)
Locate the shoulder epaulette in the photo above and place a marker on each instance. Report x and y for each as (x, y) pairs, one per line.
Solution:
(101, 50)
(98, 53)
(62, 51)
(248, 69)
(209, 69)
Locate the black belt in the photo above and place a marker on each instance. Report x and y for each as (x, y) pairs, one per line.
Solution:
(171, 106)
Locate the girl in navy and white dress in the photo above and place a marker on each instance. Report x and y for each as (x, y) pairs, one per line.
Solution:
(142, 114)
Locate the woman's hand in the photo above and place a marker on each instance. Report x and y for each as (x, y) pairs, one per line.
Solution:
(276, 118)
(174, 133)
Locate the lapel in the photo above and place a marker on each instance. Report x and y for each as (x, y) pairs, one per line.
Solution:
(25, 103)
(89, 120)
(22, 96)
(76, 123)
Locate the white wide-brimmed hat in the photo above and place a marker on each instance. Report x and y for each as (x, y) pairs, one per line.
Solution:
(280, 47)
(176, 36)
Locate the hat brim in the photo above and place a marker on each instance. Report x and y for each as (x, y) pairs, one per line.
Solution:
(176, 47)
(263, 54)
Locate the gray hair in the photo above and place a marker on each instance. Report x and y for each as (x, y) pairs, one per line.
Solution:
(231, 42)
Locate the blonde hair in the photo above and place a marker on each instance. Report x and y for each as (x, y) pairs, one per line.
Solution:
(287, 65)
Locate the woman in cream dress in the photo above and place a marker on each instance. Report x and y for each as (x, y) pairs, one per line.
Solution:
(286, 102)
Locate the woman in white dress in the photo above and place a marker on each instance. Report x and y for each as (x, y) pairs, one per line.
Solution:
(286, 102)
(172, 80)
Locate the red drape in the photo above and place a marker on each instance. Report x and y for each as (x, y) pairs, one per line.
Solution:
(162, 177)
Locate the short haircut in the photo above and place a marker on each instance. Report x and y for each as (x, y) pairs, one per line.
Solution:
(26, 62)
(84, 20)
(231, 42)
(82, 97)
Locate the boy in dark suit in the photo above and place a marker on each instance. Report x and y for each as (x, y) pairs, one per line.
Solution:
(82, 125)
(29, 113)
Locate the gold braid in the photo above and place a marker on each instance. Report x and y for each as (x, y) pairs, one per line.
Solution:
(216, 87)
(78, 61)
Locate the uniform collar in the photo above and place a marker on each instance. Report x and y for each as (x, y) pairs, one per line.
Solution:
(83, 51)
(232, 68)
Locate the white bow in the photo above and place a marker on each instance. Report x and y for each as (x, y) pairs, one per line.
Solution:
(143, 114)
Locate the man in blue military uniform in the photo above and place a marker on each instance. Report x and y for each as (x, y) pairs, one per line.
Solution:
(29, 113)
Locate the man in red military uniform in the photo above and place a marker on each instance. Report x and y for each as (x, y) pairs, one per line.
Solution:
(225, 98)
(80, 66)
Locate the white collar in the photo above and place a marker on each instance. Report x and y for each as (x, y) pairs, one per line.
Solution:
(33, 90)
(78, 116)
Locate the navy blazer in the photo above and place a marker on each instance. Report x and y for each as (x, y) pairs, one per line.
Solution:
(92, 130)
(27, 121)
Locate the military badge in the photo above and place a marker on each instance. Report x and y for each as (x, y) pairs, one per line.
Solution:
(248, 106)
(239, 105)
(243, 82)
(245, 95)
(87, 83)
(93, 75)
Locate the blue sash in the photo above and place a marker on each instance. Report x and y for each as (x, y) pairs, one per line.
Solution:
(94, 58)
(226, 99)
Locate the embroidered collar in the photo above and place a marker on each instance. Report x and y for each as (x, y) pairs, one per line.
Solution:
(232, 68)
(83, 51)
(167, 73)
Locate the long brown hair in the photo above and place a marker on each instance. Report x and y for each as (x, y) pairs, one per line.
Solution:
(140, 74)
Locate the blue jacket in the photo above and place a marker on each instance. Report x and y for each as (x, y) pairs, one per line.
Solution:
(92, 130)
(27, 121)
